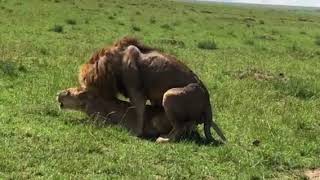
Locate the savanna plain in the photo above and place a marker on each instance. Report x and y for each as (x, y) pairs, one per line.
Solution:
(260, 64)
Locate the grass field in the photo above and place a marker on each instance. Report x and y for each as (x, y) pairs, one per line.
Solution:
(261, 66)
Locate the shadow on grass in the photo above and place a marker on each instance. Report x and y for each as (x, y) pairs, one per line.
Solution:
(193, 137)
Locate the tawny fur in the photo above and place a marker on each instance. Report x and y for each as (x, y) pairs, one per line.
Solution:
(114, 111)
(142, 73)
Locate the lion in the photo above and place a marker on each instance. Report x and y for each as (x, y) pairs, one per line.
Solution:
(142, 73)
(116, 112)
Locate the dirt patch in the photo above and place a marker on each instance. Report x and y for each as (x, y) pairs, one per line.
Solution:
(313, 174)
(260, 75)
(301, 88)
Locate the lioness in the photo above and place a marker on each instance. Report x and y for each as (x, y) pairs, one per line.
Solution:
(114, 111)
(142, 73)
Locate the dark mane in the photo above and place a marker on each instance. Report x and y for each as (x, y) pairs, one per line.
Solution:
(127, 41)
(120, 45)
(96, 55)
(95, 72)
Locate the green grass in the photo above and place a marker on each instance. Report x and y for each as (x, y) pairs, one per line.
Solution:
(263, 80)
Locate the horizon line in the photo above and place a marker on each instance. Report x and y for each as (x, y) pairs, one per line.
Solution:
(257, 3)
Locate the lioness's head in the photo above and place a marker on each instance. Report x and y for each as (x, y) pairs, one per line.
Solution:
(74, 98)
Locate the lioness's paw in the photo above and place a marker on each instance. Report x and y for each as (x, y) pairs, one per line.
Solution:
(162, 140)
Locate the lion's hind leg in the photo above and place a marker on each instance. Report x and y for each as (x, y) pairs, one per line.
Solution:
(174, 109)
(177, 133)
(173, 136)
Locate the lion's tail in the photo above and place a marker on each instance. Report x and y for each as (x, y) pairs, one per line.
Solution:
(208, 118)
(208, 123)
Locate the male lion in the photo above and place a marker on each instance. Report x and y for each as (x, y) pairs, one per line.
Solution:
(114, 111)
(142, 73)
